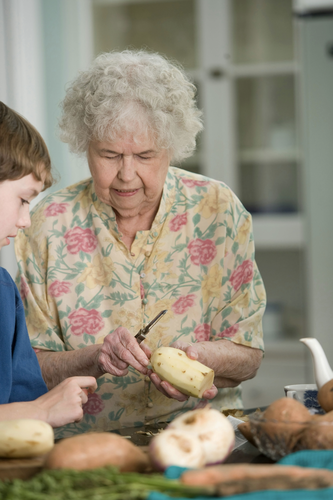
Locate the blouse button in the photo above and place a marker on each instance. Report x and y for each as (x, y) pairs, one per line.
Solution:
(142, 275)
(145, 301)
(147, 253)
(150, 404)
(133, 254)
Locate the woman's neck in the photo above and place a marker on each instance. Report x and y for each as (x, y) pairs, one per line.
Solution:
(129, 226)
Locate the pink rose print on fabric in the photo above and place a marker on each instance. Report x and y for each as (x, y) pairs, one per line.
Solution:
(202, 251)
(177, 222)
(202, 332)
(192, 183)
(83, 321)
(94, 405)
(229, 332)
(59, 288)
(55, 209)
(78, 239)
(24, 289)
(243, 274)
(183, 304)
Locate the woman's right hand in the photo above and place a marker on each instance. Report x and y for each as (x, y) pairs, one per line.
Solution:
(63, 404)
(121, 350)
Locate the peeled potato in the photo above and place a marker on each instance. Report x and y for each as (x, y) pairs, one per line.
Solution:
(97, 449)
(187, 375)
(25, 438)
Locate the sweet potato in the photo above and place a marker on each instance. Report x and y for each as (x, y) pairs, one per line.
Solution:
(325, 396)
(318, 435)
(283, 421)
(243, 478)
(97, 449)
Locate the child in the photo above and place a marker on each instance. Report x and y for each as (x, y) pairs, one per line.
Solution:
(25, 171)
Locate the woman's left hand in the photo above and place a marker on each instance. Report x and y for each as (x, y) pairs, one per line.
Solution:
(167, 389)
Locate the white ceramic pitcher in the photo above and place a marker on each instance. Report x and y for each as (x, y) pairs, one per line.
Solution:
(322, 370)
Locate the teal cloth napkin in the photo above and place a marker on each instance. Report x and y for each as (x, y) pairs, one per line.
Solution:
(321, 459)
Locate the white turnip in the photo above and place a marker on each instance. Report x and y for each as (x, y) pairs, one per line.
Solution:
(176, 447)
(197, 438)
(25, 438)
(214, 430)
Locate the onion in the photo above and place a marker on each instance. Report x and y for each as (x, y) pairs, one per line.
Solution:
(197, 438)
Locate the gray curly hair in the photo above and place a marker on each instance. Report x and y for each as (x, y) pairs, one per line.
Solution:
(130, 92)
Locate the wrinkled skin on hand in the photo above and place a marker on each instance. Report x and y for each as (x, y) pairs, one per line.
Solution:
(167, 389)
(121, 350)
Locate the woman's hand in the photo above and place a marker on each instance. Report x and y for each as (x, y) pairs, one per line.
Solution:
(167, 389)
(121, 350)
(63, 404)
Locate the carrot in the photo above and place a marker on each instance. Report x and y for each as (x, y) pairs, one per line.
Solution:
(241, 478)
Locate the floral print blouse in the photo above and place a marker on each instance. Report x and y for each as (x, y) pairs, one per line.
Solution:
(79, 282)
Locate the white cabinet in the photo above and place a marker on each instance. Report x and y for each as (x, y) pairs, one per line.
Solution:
(241, 55)
(284, 362)
(315, 35)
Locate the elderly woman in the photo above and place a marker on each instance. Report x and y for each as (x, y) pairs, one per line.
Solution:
(104, 256)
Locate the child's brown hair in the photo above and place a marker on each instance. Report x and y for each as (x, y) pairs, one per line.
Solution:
(22, 149)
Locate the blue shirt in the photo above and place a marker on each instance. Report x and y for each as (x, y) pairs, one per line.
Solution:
(20, 375)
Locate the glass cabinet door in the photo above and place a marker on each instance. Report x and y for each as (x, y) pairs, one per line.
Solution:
(164, 26)
(268, 157)
(167, 27)
(262, 31)
(267, 153)
(265, 70)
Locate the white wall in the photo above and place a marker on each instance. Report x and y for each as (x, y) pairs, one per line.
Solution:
(21, 70)
(43, 45)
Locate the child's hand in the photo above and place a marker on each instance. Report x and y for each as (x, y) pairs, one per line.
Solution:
(63, 404)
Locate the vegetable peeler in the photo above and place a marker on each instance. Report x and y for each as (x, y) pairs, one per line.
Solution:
(141, 335)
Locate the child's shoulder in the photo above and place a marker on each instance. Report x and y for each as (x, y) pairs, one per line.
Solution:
(5, 277)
